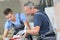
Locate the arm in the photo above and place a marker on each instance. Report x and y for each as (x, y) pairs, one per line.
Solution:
(26, 23)
(6, 29)
(5, 34)
(37, 25)
(35, 30)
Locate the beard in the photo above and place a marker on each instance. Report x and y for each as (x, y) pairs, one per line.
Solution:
(32, 14)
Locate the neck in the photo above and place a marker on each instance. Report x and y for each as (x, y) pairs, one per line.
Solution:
(36, 10)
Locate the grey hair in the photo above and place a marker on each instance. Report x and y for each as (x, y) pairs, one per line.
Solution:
(29, 4)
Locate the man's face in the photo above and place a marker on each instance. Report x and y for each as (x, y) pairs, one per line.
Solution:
(27, 10)
(10, 16)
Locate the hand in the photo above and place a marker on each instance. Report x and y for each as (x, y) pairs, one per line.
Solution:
(16, 37)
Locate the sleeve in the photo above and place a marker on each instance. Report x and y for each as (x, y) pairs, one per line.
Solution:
(23, 17)
(37, 20)
(7, 25)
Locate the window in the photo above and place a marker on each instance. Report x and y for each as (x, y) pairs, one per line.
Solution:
(46, 3)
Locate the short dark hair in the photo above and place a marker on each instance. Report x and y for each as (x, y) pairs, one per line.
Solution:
(7, 10)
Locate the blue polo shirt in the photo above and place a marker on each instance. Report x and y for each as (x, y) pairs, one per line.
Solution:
(17, 23)
(41, 19)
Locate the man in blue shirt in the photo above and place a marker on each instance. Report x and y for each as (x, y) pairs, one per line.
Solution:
(41, 20)
(17, 21)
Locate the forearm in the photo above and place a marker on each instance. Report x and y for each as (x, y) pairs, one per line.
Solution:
(27, 25)
(29, 32)
(32, 32)
(35, 30)
(5, 34)
(4, 37)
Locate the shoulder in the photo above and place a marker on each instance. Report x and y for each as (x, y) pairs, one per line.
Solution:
(7, 23)
(41, 13)
(38, 14)
(21, 14)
